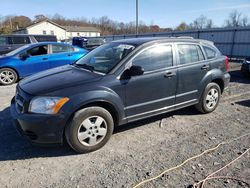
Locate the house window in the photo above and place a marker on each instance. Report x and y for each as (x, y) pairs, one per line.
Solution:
(52, 32)
(78, 34)
(44, 32)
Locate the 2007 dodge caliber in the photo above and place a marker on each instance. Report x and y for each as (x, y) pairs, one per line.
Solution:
(117, 83)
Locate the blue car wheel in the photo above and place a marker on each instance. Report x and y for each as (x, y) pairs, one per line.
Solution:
(8, 76)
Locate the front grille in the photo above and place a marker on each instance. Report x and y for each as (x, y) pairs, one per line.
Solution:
(19, 102)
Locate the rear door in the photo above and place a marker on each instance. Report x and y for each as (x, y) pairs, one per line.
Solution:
(154, 91)
(37, 60)
(60, 55)
(192, 68)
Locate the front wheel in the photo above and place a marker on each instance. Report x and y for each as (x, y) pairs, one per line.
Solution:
(8, 76)
(210, 98)
(90, 129)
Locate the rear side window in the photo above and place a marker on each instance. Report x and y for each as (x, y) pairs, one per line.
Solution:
(210, 52)
(155, 58)
(189, 53)
(20, 40)
(56, 48)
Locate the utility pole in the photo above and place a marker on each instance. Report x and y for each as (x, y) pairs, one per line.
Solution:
(10, 23)
(137, 10)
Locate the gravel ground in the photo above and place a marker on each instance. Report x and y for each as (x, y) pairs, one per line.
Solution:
(139, 150)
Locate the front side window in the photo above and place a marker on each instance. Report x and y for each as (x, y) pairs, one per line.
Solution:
(189, 53)
(104, 58)
(155, 58)
(210, 52)
(39, 50)
(56, 48)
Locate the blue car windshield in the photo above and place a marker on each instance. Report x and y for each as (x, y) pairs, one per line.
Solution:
(16, 51)
(104, 58)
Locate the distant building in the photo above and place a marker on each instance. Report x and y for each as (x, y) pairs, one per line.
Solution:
(47, 27)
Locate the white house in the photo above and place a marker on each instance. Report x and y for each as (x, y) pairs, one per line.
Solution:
(47, 27)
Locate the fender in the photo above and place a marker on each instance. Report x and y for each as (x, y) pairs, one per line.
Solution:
(82, 99)
(208, 78)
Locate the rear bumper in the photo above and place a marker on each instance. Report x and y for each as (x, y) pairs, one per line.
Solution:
(39, 129)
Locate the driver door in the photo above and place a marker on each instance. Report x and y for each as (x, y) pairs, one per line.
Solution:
(36, 60)
(154, 91)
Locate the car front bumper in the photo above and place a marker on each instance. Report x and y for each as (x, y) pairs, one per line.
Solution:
(39, 129)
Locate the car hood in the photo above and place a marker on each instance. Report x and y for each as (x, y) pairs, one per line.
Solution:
(56, 79)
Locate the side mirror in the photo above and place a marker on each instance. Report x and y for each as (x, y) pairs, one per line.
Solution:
(24, 56)
(136, 70)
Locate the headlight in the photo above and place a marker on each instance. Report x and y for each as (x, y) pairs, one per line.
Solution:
(47, 105)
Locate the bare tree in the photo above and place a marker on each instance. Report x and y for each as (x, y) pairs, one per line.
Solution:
(236, 19)
(201, 22)
(40, 17)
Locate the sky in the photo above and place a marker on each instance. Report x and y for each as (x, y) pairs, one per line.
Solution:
(165, 13)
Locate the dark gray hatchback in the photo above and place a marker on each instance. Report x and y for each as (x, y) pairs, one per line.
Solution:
(117, 83)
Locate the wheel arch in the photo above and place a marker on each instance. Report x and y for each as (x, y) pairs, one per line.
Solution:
(14, 69)
(220, 82)
(100, 103)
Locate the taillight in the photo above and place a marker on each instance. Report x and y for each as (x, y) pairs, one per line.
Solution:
(227, 64)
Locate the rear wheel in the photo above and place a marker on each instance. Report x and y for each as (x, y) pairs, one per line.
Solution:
(8, 76)
(210, 98)
(90, 129)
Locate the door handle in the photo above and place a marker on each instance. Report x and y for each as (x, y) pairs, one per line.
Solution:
(45, 58)
(205, 67)
(69, 54)
(169, 74)
(8, 48)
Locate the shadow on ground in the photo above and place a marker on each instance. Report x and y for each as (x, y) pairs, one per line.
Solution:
(245, 103)
(15, 147)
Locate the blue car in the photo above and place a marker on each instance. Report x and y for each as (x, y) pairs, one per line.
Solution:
(33, 58)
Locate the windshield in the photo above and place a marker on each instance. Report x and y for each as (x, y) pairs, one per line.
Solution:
(14, 52)
(106, 57)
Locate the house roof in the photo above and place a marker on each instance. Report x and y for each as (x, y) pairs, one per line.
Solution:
(81, 29)
(67, 28)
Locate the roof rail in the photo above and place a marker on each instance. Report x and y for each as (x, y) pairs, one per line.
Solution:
(185, 37)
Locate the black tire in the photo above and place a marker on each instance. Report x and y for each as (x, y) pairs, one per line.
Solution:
(75, 126)
(12, 78)
(202, 106)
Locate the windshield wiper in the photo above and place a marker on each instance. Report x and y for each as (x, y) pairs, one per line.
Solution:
(86, 66)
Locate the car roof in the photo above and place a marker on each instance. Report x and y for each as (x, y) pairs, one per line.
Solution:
(143, 40)
(46, 43)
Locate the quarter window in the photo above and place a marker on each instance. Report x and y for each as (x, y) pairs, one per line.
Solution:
(189, 53)
(154, 58)
(59, 48)
(210, 52)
